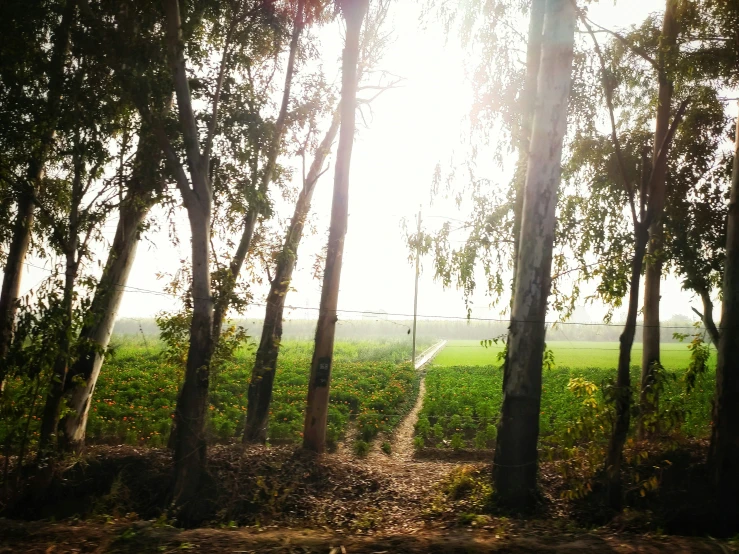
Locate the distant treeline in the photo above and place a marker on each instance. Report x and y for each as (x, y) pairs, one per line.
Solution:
(449, 329)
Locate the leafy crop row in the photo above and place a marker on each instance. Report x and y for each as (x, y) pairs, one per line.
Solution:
(137, 390)
(462, 403)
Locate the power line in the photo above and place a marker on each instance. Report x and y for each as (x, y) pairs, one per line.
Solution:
(138, 290)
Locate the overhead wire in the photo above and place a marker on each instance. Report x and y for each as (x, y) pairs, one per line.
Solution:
(139, 290)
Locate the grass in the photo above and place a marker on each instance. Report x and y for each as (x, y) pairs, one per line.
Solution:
(137, 390)
(575, 354)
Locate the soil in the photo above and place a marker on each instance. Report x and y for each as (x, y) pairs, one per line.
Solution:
(144, 537)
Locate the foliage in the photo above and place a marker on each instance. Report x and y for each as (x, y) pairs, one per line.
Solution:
(462, 404)
(361, 448)
(468, 489)
(174, 330)
(700, 353)
(135, 397)
(41, 324)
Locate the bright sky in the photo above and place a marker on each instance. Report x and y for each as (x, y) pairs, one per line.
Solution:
(413, 128)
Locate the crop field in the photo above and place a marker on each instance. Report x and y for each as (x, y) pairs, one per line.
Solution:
(136, 393)
(571, 354)
(462, 401)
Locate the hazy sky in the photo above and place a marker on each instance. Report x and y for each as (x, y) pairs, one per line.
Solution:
(413, 128)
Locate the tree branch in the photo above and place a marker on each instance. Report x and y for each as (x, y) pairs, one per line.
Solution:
(614, 133)
(638, 50)
(188, 196)
(217, 95)
(182, 90)
(661, 159)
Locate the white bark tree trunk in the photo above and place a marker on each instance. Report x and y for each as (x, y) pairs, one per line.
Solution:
(515, 463)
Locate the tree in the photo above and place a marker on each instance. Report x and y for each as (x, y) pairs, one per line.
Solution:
(698, 181)
(26, 56)
(258, 204)
(265, 362)
(724, 450)
(74, 203)
(314, 433)
(372, 46)
(515, 463)
(626, 169)
(143, 190)
(505, 96)
(664, 65)
(196, 191)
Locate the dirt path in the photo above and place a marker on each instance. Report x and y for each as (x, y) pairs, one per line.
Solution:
(412, 480)
(401, 443)
(402, 440)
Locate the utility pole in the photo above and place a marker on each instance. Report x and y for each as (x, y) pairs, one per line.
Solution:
(415, 294)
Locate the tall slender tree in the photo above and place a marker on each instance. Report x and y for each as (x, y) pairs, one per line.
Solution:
(314, 432)
(636, 180)
(372, 46)
(196, 191)
(258, 204)
(144, 187)
(724, 449)
(665, 66)
(515, 464)
(40, 137)
(265, 362)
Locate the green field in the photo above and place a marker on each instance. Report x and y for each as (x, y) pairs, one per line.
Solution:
(575, 354)
(464, 391)
(137, 390)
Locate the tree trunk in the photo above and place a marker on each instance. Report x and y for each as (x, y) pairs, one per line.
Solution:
(314, 431)
(52, 408)
(95, 335)
(623, 375)
(515, 463)
(197, 194)
(528, 104)
(12, 276)
(256, 208)
(653, 274)
(724, 451)
(265, 363)
(192, 401)
(707, 317)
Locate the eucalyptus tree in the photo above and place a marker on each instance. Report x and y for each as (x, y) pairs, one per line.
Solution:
(721, 59)
(120, 42)
(144, 185)
(515, 463)
(305, 13)
(78, 203)
(265, 364)
(664, 62)
(698, 180)
(620, 180)
(505, 95)
(316, 414)
(373, 42)
(35, 48)
(243, 30)
(725, 431)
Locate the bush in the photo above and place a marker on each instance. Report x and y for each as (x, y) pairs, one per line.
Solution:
(361, 448)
